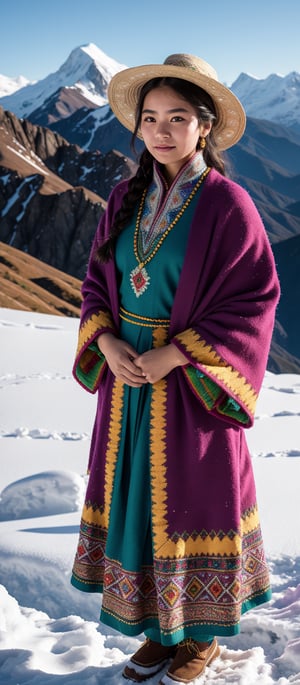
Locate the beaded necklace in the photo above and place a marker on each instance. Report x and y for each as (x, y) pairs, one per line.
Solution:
(139, 277)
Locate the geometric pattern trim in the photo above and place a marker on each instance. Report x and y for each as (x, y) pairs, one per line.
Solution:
(89, 362)
(159, 211)
(112, 450)
(91, 326)
(207, 590)
(157, 444)
(89, 561)
(212, 395)
(216, 367)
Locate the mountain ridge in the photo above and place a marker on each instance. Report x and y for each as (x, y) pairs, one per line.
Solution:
(88, 70)
(274, 98)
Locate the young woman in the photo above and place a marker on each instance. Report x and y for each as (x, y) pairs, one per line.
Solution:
(177, 317)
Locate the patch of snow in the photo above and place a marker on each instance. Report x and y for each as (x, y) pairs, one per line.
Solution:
(10, 85)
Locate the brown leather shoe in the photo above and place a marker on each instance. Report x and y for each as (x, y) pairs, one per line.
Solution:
(148, 660)
(190, 661)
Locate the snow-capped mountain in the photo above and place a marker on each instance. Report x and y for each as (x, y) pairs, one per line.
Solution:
(11, 85)
(83, 79)
(275, 98)
(87, 71)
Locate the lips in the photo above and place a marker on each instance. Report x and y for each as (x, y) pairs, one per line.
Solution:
(164, 147)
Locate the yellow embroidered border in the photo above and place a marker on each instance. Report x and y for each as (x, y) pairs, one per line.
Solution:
(114, 436)
(138, 320)
(91, 326)
(89, 514)
(157, 450)
(249, 521)
(218, 367)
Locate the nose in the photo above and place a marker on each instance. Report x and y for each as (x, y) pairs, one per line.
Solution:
(162, 130)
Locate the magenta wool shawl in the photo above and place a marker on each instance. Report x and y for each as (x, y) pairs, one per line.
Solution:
(203, 491)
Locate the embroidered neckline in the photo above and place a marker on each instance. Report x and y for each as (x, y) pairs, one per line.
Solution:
(139, 278)
(160, 207)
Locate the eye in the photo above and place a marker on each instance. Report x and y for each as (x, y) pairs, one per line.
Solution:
(148, 118)
(177, 118)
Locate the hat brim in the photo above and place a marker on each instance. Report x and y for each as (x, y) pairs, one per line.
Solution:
(124, 89)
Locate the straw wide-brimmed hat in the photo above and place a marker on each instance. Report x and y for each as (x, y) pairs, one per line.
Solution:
(125, 86)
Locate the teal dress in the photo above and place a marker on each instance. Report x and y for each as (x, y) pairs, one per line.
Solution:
(170, 528)
(129, 538)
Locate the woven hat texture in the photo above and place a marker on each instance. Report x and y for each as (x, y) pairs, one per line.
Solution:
(125, 86)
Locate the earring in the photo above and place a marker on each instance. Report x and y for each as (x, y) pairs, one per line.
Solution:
(202, 143)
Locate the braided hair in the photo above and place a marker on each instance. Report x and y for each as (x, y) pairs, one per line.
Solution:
(204, 106)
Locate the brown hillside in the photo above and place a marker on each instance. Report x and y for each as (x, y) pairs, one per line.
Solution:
(27, 283)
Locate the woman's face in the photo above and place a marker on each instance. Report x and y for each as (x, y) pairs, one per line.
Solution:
(170, 128)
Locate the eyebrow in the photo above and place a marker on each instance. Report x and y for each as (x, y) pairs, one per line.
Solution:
(169, 111)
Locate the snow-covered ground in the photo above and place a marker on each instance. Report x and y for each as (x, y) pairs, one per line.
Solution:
(49, 631)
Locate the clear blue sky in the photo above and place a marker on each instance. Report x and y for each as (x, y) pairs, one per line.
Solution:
(259, 36)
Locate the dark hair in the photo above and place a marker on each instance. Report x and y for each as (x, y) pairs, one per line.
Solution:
(203, 104)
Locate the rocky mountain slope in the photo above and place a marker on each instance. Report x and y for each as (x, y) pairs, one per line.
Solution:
(287, 257)
(266, 161)
(51, 193)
